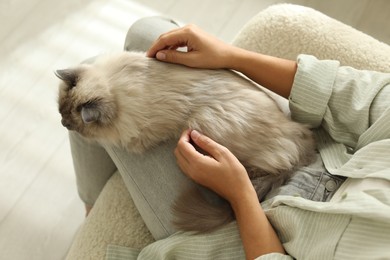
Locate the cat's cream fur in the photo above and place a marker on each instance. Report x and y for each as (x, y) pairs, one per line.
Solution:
(129, 100)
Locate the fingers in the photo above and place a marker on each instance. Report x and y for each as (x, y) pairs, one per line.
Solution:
(170, 40)
(184, 150)
(187, 156)
(220, 172)
(174, 56)
(192, 161)
(203, 49)
(165, 47)
(188, 151)
(214, 149)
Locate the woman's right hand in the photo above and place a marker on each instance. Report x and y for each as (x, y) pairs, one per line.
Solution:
(203, 49)
(207, 52)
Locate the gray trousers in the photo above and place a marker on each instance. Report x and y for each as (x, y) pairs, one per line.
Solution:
(153, 179)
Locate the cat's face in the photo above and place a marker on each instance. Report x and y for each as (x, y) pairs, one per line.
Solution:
(85, 103)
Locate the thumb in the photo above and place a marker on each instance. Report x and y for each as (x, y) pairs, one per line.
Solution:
(207, 144)
(173, 56)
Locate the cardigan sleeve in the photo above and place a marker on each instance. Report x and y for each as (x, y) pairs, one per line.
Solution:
(344, 101)
(312, 89)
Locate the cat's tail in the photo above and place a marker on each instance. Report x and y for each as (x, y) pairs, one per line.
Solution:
(193, 212)
(265, 183)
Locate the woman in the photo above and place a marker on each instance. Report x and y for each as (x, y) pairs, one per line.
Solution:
(314, 218)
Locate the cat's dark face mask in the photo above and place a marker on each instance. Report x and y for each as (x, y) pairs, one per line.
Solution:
(84, 113)
(67, 98)
(89, 113)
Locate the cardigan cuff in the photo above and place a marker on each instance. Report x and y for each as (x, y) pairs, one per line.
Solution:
(312, 88)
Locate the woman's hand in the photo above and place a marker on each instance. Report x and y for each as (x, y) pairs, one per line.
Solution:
(206, 51)
(220, 171)
(224, 174)
(203, 49)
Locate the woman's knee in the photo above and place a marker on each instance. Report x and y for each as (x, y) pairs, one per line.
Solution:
(92, 165)
(145, 31)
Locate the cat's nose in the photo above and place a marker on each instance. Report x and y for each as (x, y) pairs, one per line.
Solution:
(66, 124)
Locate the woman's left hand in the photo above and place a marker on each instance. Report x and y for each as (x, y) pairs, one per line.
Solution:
(219, 171)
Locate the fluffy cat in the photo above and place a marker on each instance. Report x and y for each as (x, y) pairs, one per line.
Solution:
(129, 100)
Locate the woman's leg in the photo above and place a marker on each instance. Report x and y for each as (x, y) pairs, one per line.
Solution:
(154, 181)
(93, 167)
(145, 31)
(153, 178)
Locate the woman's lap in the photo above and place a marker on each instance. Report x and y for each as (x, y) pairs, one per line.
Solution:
(312, 182)
(153, 179)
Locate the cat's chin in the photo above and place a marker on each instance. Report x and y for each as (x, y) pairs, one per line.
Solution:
(70, 128)
(74, 130)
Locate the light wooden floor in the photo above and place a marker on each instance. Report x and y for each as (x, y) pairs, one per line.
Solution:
(39, 207)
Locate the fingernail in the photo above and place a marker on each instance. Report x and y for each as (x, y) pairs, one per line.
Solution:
(161, 56)
(194, 134)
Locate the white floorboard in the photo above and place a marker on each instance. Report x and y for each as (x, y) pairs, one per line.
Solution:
(39, 206)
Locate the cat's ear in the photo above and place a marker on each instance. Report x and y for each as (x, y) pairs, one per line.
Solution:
(101, 111)
(90, 114)
(69, 76)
